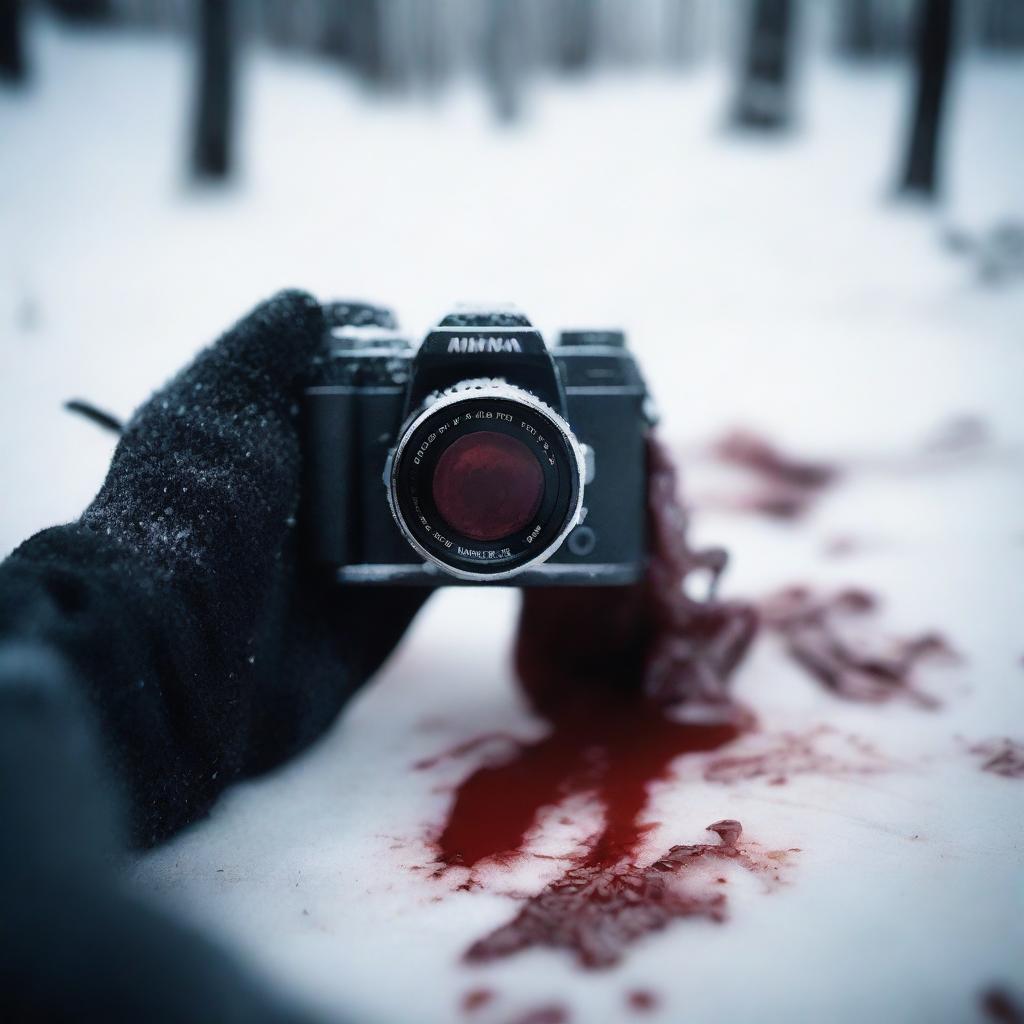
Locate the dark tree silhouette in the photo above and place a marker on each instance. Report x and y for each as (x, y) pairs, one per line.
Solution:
(503, 57)
(858, 28)
(1002, 24)
(870, 29)
(82, 10)
(336, 32)
(680, 32)
(764, 91)
(211, 146)
(431, 57)
(366, 33)
(276, 21)
(12, 44)
(932, 50)
(575, 33)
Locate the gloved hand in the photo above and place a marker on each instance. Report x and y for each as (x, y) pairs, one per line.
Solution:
(172, 641)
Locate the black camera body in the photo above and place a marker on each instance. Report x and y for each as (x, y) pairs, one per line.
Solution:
(481, 457)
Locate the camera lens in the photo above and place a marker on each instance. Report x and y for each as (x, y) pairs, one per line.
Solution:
(487, 485)
(486, 482)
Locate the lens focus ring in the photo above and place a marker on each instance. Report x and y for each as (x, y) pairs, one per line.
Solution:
(486, 481)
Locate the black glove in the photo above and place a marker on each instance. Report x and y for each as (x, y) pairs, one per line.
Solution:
(176, 615)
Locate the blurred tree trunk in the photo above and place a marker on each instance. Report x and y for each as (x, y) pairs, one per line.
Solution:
(82, 10)
(575, 30)
(858, 28)
(431, 57)
(1002, 24)
(932, 50)
(335, 36)
(680, 32)
(12, 43)
(276, 23)
(211, 144)
(763, 97)
(503, 58)
(366, 35)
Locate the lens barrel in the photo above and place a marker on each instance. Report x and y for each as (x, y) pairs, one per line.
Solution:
(486, 481)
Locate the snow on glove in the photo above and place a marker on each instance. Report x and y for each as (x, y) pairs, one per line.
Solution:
(175, 628)
(180, 600)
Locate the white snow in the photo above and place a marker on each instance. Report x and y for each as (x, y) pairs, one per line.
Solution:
(770, 283)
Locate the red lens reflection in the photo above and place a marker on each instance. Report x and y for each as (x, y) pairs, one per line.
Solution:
(487, 485)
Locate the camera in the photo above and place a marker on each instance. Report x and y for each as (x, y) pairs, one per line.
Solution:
(480, 457)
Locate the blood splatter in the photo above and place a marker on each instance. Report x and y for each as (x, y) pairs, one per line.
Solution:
(461, 749)
(603, 667)
(959, 435)
(642, 1000)
(1002, 756)
(614, 752)
(652, 641)
(597, 909)
(819, 751)
(998, 1005)
(786, 486)
(820, 634)
(629, 681)
(477, 998)
(553, 1013)
(754, 452)
(841, 546)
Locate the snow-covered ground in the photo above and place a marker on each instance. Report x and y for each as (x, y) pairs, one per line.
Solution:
(769, 283)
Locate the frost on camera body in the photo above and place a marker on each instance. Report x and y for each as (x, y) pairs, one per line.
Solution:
(483, 456)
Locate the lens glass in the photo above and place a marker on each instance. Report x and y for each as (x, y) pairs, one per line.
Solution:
(487, 485)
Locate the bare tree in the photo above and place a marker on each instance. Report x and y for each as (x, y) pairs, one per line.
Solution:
(336, 31)
(503, 57)
(681, 32)
(870, 29)
(82, 10)
(1002, 24)
(858, 28)
(12, 44)
(366, 33)
(763, 99)
(932, 50)
(575, 29)
(211, 143)
(431, 56)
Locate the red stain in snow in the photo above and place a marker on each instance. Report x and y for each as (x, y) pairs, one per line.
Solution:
(596, 910)
(628, 681)
(835, 638)
(1001, 757)
(642, 1000)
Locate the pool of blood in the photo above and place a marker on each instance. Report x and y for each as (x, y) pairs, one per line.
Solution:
(607, 668)
(628, 681)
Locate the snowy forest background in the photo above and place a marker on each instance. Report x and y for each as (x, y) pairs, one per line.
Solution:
(784, 184)
(806, 188)
(405, 46)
